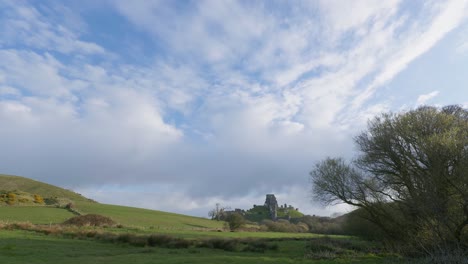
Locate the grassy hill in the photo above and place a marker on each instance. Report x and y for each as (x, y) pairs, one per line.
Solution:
(138, 217)
(34, 214)
(37, 213)
(9, 183)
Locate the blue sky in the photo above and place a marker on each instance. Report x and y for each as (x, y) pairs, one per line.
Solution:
(178, 105)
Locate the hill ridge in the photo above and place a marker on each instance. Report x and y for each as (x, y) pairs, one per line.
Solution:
(11, 183)
(126, 215)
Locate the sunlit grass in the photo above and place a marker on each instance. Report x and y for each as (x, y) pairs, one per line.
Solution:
(34, 214)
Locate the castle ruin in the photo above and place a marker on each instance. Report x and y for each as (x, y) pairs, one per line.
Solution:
(272, 205)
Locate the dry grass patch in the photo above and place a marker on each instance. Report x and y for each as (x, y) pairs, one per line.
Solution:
(91, 220)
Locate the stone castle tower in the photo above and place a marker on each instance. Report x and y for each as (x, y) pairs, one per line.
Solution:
(272, 205)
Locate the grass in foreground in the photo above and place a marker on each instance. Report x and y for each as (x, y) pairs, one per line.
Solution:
(18, 246)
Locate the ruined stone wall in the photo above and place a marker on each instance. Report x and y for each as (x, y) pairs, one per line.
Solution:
(272, 204)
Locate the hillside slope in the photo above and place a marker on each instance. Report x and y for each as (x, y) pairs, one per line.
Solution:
(17, 183)
(146, 218)
(127, 216)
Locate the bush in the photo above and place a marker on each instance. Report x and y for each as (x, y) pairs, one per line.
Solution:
(11, 198)
(158, 240)
(38, 199)
(356, 224)
(283, 226)
(220, 243)
(235, 221)
(259, 246)
(328, 248)
(324, 225)
(168, 241)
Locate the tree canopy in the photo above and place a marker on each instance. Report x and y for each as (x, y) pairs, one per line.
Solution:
(411, 176)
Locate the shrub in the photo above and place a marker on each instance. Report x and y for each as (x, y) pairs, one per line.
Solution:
(235, 221)
(283, 226)
(328, 248)
(168, 241)
(257, 246)
(158, 240)
(38, 199)
(356, 224)
(11, 199)
(220, 243)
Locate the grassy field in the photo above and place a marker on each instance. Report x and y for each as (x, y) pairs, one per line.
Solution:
(43, 240)
(34, 214)
(28, 247)
(144, 218)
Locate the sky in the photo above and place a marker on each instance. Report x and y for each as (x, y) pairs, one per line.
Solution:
(179, 105)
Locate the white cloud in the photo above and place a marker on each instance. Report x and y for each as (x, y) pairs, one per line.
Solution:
(7, 90)
(34, 73)
(462, 41)
(424, 98)
(354, 15)
(25, 25)
(233, 100)
(444, 18)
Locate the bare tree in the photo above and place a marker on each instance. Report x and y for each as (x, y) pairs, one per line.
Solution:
(218, 212)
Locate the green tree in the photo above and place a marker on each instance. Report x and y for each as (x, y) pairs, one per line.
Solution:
(411, 177)
(235, 221)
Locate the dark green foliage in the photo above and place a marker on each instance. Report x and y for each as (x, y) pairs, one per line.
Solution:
(260, 213)
(220, 243)
(260, 246)
(328, 248)
(257, 214)
(235, 221)
(158, 240)
(168, 241)
(356, 224)
(410, 178)
(247, 245)
(324, 225)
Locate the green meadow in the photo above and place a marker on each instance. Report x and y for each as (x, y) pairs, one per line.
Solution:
(30, 247)
(34, 214)
(144, 218)
(32, 232)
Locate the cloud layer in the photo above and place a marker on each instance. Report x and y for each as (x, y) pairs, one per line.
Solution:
(187, 104)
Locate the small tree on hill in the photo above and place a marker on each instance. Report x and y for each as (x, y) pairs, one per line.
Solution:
(218, 212)
(235, 221)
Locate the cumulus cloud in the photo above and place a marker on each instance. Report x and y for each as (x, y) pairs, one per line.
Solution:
(231, 101)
